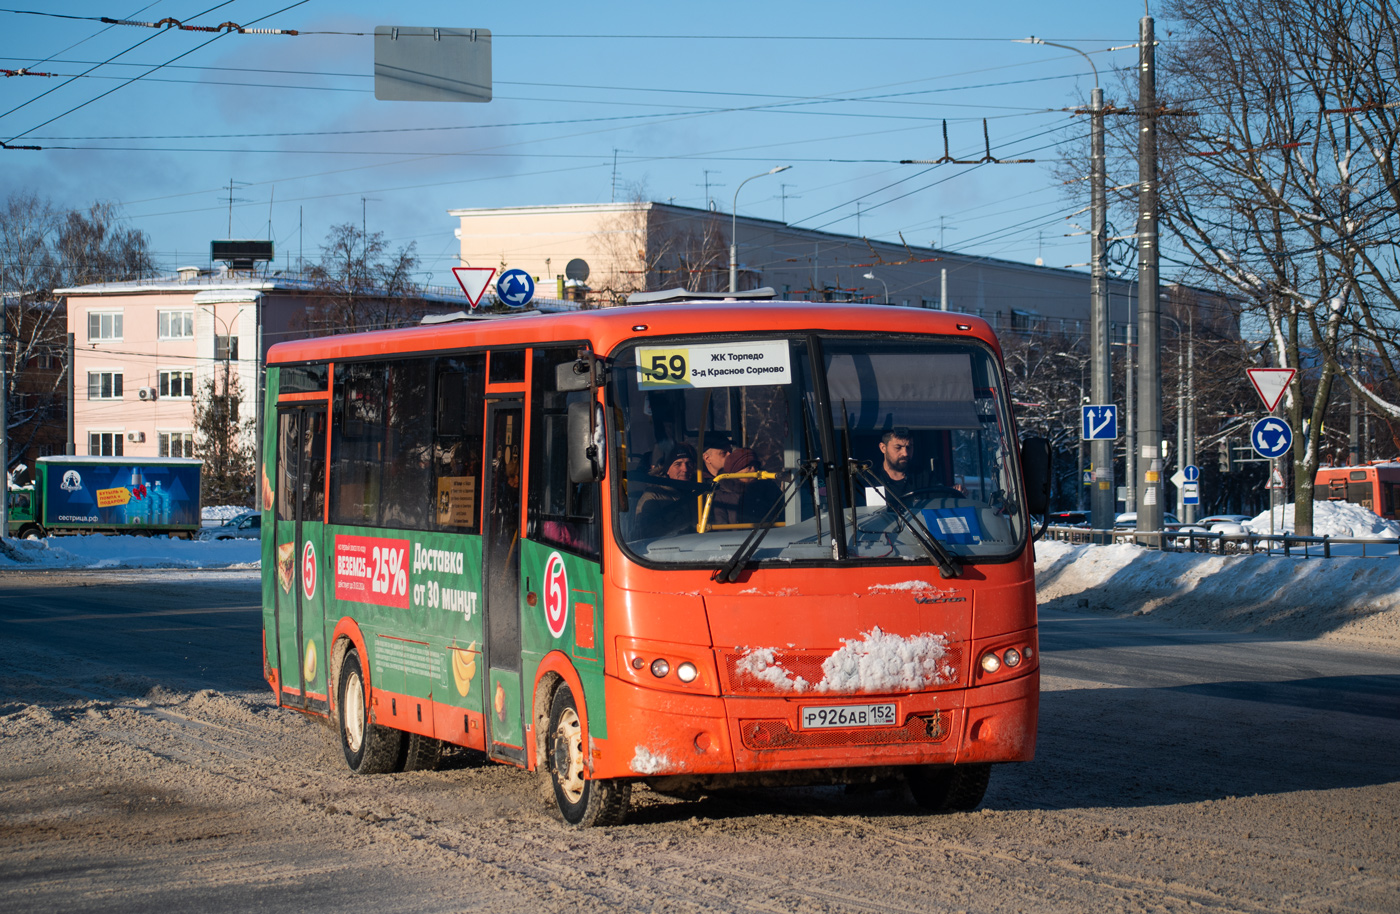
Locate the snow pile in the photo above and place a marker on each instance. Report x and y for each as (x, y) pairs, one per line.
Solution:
(644, 761)
(1330, 518)
(129, 552)
(762, 664)
(1347, 598)
(876, 662)
(220, 513)
(887, 663)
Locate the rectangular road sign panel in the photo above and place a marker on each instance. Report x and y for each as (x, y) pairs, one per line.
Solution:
(1100, 423)
(432, 64)
(1191, 493)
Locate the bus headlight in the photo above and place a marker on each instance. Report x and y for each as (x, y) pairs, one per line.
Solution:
(687, 672)
(991, 662)
(659, 667)
(1012, 657)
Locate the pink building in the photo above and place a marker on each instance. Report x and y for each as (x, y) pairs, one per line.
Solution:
(143, 349)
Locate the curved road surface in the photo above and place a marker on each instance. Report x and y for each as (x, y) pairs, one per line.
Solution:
(143, 767)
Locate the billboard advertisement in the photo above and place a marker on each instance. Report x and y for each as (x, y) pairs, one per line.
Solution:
(122, 495)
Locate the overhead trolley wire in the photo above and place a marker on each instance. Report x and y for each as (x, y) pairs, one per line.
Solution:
(136, 78)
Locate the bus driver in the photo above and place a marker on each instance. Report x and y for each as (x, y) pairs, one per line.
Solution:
(893, 471)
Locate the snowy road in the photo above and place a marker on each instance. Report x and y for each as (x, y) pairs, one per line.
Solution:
(142, 767)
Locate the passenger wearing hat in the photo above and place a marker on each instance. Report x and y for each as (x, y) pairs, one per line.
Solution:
(745, 500)
(668, 506)
(714, 451)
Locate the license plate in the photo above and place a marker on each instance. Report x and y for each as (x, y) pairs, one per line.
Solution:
(821, 717)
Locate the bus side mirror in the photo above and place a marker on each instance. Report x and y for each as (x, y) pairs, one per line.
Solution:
(572, 376)
(1035, 464)
(586, 453)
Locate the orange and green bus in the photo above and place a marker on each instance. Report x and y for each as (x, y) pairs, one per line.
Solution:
(658, 545)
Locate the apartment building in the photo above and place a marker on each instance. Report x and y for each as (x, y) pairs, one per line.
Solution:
(144, 349)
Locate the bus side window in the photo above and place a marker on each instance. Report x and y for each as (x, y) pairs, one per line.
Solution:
(561, 513)
(458, 416)
(407, 456)
(358, 443)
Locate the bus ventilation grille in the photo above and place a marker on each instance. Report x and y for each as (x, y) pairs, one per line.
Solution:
(808, 666)
(776, 734)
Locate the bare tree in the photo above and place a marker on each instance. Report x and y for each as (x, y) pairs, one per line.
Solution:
(41, 249)
(1277, 146)
(362, 285)
(95, 246)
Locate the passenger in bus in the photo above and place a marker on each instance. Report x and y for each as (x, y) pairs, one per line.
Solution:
(715, 449)
(667, 508)
(742, 501)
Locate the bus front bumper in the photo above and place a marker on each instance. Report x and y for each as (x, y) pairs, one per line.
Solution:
(653, 733)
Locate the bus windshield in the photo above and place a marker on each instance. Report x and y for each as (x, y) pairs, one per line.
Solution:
(849, 449)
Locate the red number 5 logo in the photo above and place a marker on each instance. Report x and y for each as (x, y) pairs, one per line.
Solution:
(556, 594)
(308, 570)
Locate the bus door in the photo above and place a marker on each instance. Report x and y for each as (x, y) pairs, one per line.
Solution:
(505, 719)
(299, 607)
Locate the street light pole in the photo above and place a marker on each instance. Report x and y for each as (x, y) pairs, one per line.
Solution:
(734, 227)
(881, 282)
(1102, 496)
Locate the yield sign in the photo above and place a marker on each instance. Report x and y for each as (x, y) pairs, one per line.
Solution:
(1271, 383)
(474, 281)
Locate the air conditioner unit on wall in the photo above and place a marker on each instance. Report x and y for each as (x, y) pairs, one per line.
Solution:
(146, 393)
(138, 437)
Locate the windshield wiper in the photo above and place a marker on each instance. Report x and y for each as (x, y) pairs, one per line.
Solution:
(729, 571)
(947, 565)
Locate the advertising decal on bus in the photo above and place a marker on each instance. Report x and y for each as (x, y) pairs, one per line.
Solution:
(556, 591)
(308, 571)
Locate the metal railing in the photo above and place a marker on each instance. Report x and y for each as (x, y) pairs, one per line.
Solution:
(1287, 544)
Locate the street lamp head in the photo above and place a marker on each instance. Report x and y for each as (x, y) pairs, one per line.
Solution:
(773, 171)
(869, 275)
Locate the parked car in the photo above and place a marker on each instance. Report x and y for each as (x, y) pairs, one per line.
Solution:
(239, 527)
(1228, 520)
(1128, 520)
(1070, 519)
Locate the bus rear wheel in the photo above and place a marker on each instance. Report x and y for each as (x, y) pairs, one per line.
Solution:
(368, 747)
(419, 753)
(581, 801)
(948, 788)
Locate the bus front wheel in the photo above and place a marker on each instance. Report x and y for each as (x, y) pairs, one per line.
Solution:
(955, 788)
(581, 801)
(369, 748)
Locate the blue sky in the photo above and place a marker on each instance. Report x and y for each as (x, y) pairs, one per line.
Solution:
(839, 91)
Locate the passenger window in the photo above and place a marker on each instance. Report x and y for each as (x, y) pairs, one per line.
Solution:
(561, 513)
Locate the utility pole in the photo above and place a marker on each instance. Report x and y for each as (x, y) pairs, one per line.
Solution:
(1149, 393)
(1130, 425)
(4, 413)
(1102, 494)
(1353, 438)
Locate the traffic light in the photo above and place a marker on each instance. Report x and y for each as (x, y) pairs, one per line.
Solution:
(1226, 463)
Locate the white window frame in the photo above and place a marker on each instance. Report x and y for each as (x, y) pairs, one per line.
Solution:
(118, 442)
(165, 320)
(115, 373)
(163, 383)
(117, 328)
(163, 441)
